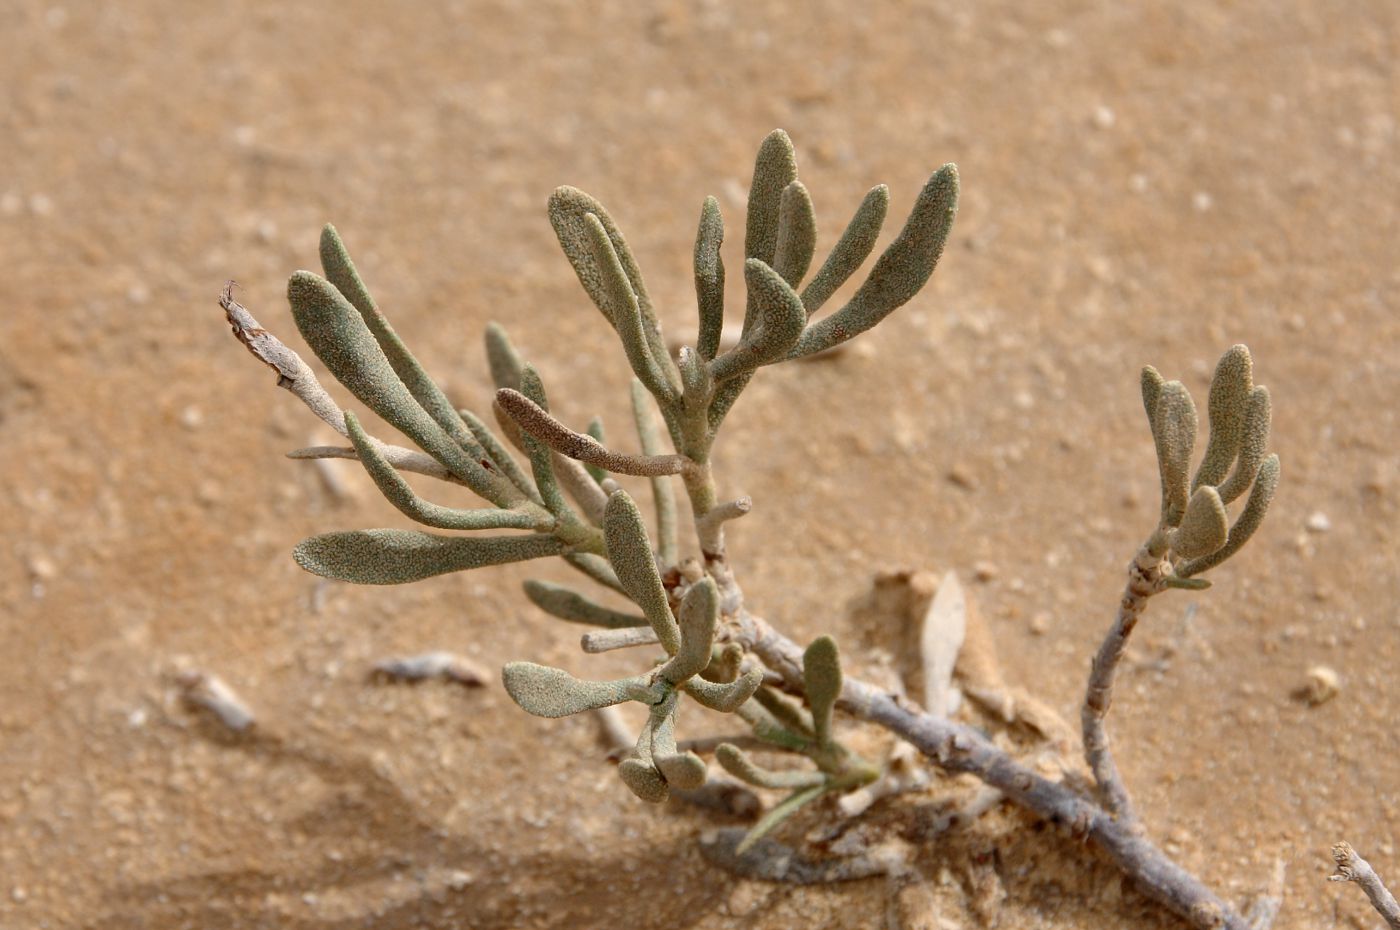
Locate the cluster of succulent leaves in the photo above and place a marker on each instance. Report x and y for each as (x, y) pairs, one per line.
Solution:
(567, 502)
(1194, 533)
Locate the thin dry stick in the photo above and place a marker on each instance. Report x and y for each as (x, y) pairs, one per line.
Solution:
(292, 373)
(607, 640)
(959, 748)
(1144, 578)
(403, 459)
(1352, 868)
(708, 526)
(298, 378)
(536, 421)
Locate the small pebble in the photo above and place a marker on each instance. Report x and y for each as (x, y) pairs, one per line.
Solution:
(984, 570)
(963, 477)
(42, 568)
(1322, 685)
(1040, 623)
(1104, 118)
(191, 417)
(1202, 201)
(18, 895)
(1318, 522)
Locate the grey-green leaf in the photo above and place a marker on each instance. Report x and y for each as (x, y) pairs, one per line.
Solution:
(699, 615)
(797, 234)
(553, 692)
(780, 319)
(401, 556)
(505, 363)
(725, 697)
(1174, 431)
(779, 813)
(340, 271)
(738, 763)
(821, 675)
(568, 209)
(644, 780)
(638, 333)
(774, 169)
(900, 272)
(1205, 527)
(709, 278)
(392, 485)
(630, 554)
(1253, 447)
(850, 251)
(568, 604)
(338, 335)
(1227, 408)
(1260, 496)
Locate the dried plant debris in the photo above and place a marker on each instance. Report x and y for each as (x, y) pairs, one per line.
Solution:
(1352, 868)
(940, 642)
(437, 665)
(546, 490)
(209, 693)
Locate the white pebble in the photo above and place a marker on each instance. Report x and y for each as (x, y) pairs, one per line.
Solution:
(1318, 522)
(1322, 685)
(1202, 201)
(1104, 118)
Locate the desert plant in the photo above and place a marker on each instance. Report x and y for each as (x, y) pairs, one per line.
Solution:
(712, 649)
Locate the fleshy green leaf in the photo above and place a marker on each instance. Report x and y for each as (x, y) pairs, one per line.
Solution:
(1174, 431)
(392, 485)
(1260, 496)
(338, 335)
(1226, 408)
(797, 234)
(699, 614)
(779, 813)
(774, 169)
(553, 692)
(341, 273)
(401, 556)
(850, 251)
(900, 272)
(709, 278)
(567, 604)
(1253, 447)
(644, 780)
(654, 368)
(780, 318)
(505, 363)
(738, 763)
(725, 697)
(632, 559)
(1205, 527)
(821, 674)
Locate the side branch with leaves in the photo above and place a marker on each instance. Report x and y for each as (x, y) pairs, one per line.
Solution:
(688, 611)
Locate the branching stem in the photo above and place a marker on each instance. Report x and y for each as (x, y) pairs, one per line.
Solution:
(1144, 579)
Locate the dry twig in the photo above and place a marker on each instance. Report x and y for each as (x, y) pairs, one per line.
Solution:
(1352, 868)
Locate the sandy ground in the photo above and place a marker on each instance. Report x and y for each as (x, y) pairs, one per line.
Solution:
(1142, 184)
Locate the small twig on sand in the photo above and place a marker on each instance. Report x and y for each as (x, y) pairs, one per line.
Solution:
(1352, 868)
(446, 666)
(211, 694)
(1265, 908)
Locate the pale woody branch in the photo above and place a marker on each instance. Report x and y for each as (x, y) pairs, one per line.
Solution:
(1352, 868)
